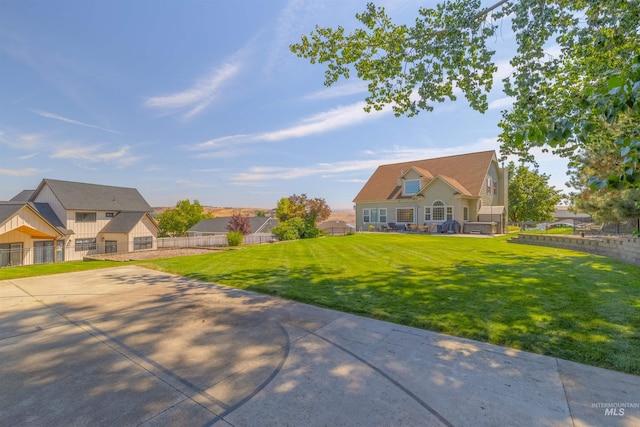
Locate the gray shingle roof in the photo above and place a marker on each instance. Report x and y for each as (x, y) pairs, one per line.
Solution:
(123, 222)
(8, 209)
(23, 196)
(47, 213)
(82, 196)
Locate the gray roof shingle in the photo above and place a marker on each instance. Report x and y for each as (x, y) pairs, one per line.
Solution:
(82, 196)
(123, 222)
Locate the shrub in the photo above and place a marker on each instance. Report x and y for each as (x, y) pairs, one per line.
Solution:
(239, 223)
(234, 238)
(292, 229)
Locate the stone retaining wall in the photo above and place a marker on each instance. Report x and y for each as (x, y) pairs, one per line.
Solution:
(623, 248)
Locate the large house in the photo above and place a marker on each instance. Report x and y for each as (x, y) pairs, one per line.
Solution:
(463, 193)
(64, 221)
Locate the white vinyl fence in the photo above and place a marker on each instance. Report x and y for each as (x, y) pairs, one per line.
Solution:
(217, 240)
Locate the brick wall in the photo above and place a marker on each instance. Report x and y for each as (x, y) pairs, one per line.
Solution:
(623, 248)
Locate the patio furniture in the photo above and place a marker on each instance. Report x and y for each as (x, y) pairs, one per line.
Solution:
(430, 228)
(392, 226)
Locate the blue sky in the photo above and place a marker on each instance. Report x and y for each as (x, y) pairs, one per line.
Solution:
(203, 100)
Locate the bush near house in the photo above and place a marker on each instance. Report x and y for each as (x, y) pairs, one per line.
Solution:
(235, 238)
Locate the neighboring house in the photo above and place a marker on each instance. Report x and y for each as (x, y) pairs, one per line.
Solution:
(217, 226)
(563, 215)
(64, 221)
(470, 189)
(337, 228)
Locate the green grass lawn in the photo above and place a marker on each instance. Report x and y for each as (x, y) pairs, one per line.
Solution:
(560, 303)
(63, 267)
(550, 301)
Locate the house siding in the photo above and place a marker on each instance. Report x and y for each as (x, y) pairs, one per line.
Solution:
(45, 195)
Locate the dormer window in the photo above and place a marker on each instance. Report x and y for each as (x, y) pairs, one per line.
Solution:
(411, 187)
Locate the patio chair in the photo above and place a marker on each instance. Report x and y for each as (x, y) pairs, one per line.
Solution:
(422, 228)
(392, 226)
(430, 228)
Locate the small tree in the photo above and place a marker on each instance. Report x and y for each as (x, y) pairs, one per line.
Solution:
(531, 198)
(239, 223)
(175, 222)
(310, 211)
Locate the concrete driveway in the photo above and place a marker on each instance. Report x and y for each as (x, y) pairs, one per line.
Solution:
(133, 347)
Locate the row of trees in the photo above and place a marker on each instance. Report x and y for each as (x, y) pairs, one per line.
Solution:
(299, 216)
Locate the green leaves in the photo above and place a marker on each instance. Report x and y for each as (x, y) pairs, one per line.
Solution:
(561, 101)
(410, 68)
(531, 198)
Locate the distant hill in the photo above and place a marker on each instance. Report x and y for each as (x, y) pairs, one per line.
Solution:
(348, 215)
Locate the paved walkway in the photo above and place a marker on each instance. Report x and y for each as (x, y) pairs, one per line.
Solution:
(134, 347)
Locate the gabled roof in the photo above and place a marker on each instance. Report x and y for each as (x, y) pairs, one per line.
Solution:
(219, 225)
(8, 209)
(47, 213)
(425, 173)
(452, 182)
(82, 196)
(463, 171)
(123, 222)
(23, 196)
(11, 208)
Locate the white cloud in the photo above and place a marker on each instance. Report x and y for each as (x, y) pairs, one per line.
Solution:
(74, 122)
(195, 99)
(323, 122)
(93, 154)
(501, 103)
(19, 172)
(343, 171)
(341, 90)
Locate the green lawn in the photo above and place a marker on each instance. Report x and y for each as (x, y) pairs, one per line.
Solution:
(550, 301)
(566, 304)
(63, 267)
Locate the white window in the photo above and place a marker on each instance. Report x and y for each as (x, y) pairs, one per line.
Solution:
(142, 243)
(489, 185)
(374, 215)
(85, 217)
(449, 213)
(404, 215)
(465, 213)
(85, 244)
(411, 186)
(438, 210)
(427, 214)
(383, 214)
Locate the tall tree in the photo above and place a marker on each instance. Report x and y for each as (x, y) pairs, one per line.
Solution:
(559, 100)
(175, 222)
(602, 160)
(531, 198)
